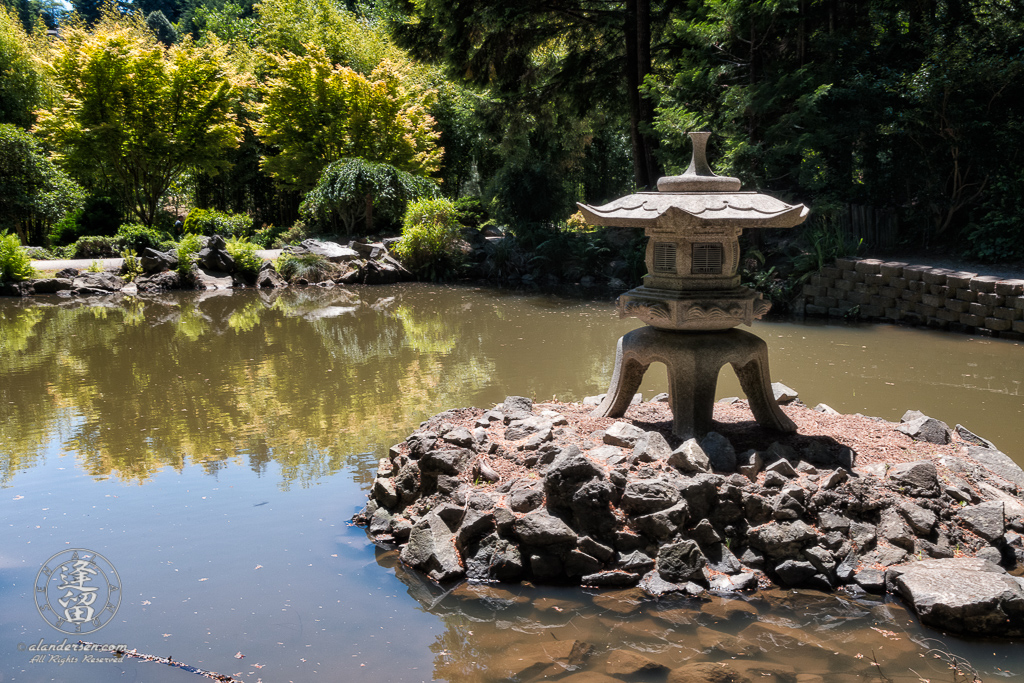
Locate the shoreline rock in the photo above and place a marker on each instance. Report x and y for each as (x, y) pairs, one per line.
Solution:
(548, 493)
(368, 264)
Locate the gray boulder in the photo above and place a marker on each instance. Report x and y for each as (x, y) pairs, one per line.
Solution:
(970, 437)
(460, 436)
(690, 458)
(104, 281)
(431, 548)
(565, 476)
(520, 429)
(662, 524)
(921, 520)
(783, 394)
(516, 408)
(985, 519)
(540, 529)
(267, 278)
(154, 261)
(651, 447)
(782, 467)
(51, 285)
(783, 540)
(750, 464)
(720, 452)
(998, 463)
(963, 595)
(681, 562)
(214, 256)
(916, 478)
(927, 429)
(795, 572)
(642, 496)
(623, 434)
(332, 251)
(893, 529)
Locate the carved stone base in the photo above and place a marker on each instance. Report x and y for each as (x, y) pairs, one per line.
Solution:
(693, 362)
(704, 311)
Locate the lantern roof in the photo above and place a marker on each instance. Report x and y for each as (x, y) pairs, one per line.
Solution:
(696, 199)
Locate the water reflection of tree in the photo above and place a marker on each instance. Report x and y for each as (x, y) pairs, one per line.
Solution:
(311, 381)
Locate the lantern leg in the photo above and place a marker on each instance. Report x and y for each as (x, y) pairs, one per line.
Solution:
(756, 383)
(626, 378)
(693, 362)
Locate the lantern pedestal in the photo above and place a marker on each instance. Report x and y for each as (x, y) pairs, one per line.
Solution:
(693, 361)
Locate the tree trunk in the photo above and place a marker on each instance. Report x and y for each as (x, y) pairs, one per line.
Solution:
(643, 50)
(369, 212)
(637, 29)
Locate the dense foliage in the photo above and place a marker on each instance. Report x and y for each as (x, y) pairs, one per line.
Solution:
(34, 193)
(134, 115)
(212, 222)
(896, 120)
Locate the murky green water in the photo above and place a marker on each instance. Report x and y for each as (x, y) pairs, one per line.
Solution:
(213, 447)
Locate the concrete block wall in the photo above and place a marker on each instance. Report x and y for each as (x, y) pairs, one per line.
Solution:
(891, 291)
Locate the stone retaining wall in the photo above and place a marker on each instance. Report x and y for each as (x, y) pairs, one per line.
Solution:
(890, 291)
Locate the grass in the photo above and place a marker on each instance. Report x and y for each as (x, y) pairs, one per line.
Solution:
(308, 267)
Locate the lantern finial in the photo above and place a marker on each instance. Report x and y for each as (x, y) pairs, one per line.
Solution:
(698, 176)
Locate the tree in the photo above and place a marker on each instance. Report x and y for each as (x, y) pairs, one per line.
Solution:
(908, 107)
(593, 53)
(138, 115)
(314, 113)
(22, 82)
(161, 27)
(34, 193)
(352, 189)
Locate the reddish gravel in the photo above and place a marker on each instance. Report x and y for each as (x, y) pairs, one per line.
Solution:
(875, 441)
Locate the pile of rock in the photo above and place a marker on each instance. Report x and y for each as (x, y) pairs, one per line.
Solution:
(368, 264)
(215, 268)
(67, 283)
(550, 494)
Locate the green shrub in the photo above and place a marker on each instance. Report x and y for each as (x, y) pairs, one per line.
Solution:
(267, 235)
(15, 265)
(472, 212)
(244, 253)
(98, 216)
(309, 267)
(432, 244)
(210, 222)
(92, 246)
(505, 259)
(293, 235)
(138, 237)
(132, 267)
(188, 250)
(65, 231)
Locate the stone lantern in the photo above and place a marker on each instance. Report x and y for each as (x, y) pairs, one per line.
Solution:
(691, 297)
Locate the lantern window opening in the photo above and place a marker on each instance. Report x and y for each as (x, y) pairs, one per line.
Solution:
(664, 257)
(707, 259)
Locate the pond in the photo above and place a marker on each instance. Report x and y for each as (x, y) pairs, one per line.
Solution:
(214, 446)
